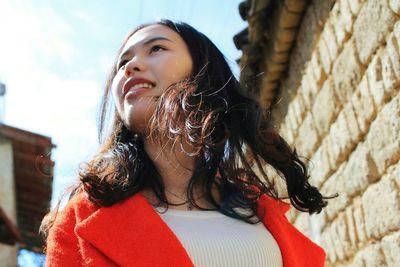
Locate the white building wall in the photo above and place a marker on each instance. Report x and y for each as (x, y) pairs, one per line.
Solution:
(8, 254)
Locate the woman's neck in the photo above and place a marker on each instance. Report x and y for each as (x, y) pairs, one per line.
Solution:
(176, 168)
(174, 165)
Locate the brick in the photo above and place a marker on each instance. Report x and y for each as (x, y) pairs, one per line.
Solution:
(389, 78)
(395, 6)
(375, 82)
(346, 17)
(381, 205)
(327, 243)
(340, 237)
(309, 88)
(360, 171)
(335, 185)
(370, 256)
(355, 6)
(329, 37)
(307, 138)
(326, 107)
(314, 230)
(346, 73)
(371, 26)
(319, 166)
(295, 116)
(278, 182)
(396, 33)
(283, 130)
(359, 221)
(287, 133)
(298, 106)
(291, 121)
(292, 214)
(288, 128)
(332, 150)
(318, 74)
(316, 221)
(351, 228)
(337, 23)
(324, 56)
(383, 139)
(339, 140)
(352, 124)
(302, 223)
(395, 173)
(391, 248)
(363, 105)
(323, 219)
(392, 49)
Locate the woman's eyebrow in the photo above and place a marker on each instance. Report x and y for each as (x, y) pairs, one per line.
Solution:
(157, 38)
(149, 41)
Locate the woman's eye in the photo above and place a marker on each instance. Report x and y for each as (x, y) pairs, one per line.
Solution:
(122, 63)
(156, 48)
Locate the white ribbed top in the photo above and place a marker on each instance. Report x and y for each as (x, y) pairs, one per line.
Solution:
(212, 239)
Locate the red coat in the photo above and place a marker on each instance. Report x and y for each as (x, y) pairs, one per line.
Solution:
(131, 233)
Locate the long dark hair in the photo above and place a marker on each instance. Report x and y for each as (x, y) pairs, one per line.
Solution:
(232, 135)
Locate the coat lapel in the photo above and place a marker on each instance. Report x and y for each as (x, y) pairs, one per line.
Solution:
(131, 233)
(296, 248)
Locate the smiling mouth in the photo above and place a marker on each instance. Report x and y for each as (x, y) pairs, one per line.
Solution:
(139, 87)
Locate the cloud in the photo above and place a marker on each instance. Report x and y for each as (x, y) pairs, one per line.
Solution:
(54, 58)
(40, 98)
(32, 33)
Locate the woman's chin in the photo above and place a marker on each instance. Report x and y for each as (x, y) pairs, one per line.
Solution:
(136, 118)
(134, 125)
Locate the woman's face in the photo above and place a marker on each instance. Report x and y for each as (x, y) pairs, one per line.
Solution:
(153, 58)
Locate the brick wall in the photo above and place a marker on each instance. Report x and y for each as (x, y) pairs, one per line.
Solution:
(342, 111)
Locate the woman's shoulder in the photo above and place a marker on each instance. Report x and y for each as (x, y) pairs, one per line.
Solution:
(77, 209)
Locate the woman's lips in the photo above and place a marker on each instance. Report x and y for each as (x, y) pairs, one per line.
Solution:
(136, 92)
(136, 81)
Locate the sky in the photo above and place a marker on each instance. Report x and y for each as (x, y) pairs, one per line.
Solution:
(55, 56)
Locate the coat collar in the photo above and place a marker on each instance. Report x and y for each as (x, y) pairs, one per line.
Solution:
(133, 227)
(296, 248)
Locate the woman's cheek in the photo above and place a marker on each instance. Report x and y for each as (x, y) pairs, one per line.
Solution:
(117, 95)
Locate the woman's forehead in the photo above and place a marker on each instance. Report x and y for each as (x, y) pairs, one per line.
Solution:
(149, 32)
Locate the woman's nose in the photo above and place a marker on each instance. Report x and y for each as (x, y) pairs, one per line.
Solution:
(134, 65)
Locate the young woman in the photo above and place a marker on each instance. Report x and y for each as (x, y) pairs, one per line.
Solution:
(173, 183)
